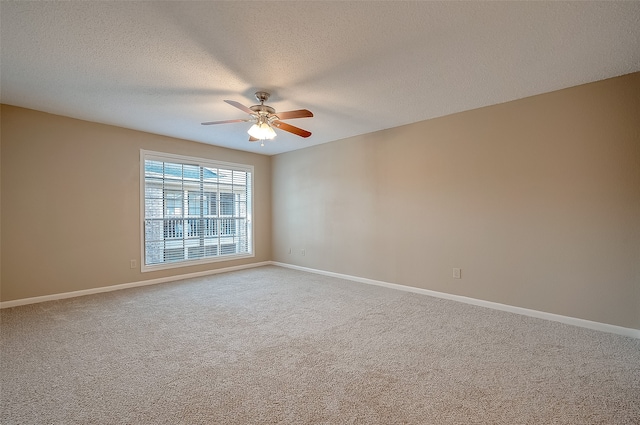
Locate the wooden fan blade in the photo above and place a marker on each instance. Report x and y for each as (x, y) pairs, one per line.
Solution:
(253, 139)
(300, 113)
(240, 106)
(222, 122)
(291, 129)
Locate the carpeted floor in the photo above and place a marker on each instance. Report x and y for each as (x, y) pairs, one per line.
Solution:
(273, 345)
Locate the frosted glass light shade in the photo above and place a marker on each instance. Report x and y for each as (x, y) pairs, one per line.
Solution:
(262, 131)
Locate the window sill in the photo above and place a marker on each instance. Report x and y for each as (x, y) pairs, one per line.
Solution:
(188, 263)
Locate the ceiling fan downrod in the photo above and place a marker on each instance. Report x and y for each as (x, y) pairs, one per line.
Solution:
(262, 109)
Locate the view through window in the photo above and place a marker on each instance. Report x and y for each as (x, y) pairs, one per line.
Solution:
(195, 210)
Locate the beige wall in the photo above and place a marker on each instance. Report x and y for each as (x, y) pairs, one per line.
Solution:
(71, 203)
(537, 200)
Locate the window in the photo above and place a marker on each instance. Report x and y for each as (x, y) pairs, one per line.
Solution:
(194, 210)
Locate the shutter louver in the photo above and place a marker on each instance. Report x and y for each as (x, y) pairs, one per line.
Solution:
(195, 210)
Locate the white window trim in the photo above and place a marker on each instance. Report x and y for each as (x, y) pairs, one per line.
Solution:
(203, 162)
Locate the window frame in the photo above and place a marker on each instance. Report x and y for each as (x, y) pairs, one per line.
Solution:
(201, 162)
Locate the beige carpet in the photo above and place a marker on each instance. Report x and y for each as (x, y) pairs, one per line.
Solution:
(272, 345)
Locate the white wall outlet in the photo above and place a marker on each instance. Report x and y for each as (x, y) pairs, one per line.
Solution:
(289, 250)
(302, 251)
(457, 273)
(133, 264)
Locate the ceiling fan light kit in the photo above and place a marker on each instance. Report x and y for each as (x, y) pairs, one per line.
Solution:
(262, 131)
(264, 118)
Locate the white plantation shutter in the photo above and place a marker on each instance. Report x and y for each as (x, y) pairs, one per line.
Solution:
(194, 210)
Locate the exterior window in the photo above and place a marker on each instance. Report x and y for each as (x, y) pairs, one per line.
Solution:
(195, 210)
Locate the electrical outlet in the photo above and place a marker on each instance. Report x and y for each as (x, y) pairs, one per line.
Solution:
(457, 273)
(302, 252)
(133, 264)
(289, 250)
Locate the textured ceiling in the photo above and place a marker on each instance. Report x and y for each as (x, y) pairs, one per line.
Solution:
(165, 67)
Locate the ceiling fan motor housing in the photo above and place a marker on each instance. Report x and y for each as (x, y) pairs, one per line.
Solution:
(262, 110)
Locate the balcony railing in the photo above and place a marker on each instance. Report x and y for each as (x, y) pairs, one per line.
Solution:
(175, 228)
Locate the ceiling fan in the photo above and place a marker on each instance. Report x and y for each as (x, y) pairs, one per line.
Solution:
(265, 118)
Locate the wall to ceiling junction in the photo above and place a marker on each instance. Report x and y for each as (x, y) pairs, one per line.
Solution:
(536, 200)
(71, 203)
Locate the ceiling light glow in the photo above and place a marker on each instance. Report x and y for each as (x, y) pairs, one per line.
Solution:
(262, 131)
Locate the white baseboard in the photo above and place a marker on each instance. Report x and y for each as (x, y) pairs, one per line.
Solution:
(604, 327)
(52, 297)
